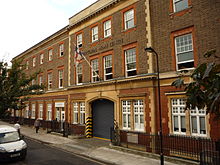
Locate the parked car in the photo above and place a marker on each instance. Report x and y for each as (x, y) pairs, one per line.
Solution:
(12, 145)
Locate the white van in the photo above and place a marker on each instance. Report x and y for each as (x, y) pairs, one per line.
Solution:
(11, 144)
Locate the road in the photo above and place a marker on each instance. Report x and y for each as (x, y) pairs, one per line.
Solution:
(41, 154)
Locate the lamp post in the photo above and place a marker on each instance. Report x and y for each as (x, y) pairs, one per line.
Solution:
(151, 50)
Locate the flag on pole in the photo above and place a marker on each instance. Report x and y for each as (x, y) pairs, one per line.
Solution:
(78, 56)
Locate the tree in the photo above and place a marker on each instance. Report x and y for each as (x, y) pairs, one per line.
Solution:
(204, 90)
(15, 86)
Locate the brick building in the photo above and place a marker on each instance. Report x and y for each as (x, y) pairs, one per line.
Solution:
(121, 86)
(182, 32)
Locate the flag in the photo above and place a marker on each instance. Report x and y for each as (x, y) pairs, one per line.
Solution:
(78, 56)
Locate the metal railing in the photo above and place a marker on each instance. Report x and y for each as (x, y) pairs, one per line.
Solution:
(193, 148)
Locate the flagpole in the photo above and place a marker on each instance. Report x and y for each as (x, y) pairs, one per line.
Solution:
(88, 63)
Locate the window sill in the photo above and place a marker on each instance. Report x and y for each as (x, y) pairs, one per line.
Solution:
(180, 13)
(61, 57)
(94, 43)
(106, 38)
(129, 30)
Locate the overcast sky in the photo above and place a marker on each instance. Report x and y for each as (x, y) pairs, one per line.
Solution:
(24, 23)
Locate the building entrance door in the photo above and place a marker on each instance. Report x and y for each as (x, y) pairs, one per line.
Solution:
(102, 118)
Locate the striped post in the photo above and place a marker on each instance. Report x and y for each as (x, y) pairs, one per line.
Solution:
(89, 127)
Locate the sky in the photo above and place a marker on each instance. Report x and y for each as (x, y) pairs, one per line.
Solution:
(24, 23)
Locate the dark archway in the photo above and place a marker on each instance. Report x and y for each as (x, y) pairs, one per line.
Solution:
(102, 117)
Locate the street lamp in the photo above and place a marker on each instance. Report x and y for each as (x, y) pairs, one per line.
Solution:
(151, 50)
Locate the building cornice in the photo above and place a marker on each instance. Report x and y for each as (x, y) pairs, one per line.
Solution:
(91, 11)
(51, 37)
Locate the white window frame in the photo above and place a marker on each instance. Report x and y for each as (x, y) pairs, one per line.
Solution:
(129, 19)
(61, 75)
(179, 1)
(33, 110)
(27, 111)
(49, 111)
(126, 114)
(50, 54)
(78, 74)
(49, 80)
(139, 113)
(40, 112)
(95, 33)
(95, 70)
(27, 64)
(40, 80)
(75, 113)
(82, 112)
(41, 58)
(178, 110)
(181, 49)
(61, 50)
(129, 60)
(107, 28)
(79, 40)
(198, 113)
(34, 62)
(107, 65)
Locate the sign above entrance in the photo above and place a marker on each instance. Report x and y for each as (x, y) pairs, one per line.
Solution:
(59, 104)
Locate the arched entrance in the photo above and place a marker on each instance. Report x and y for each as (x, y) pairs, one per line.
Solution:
(102, 117)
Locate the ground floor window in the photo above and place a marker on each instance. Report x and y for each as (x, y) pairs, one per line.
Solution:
(133, 115)
(196, 118)
(49, 111)
(79, 113)
(27, 111)
(33, 108)
(40, 112)
(198, 121)
(178, 116)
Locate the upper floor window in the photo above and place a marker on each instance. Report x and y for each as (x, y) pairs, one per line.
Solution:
(107, 28)
(130, 62)
(34, 61)
(40, 80)
(79, 40)
(61, 50)
(79, 74)
(49, 80)
(95, 70)
(27, 64)
(50, 54)
(129, 19)
(184, 51)
(41, 58)
(60, 78)
(179, 5)
(108, 67)
(95, 33)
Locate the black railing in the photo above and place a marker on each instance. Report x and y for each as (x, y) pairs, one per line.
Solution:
(193, 148)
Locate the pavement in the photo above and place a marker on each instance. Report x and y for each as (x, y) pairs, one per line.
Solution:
(96, 149)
